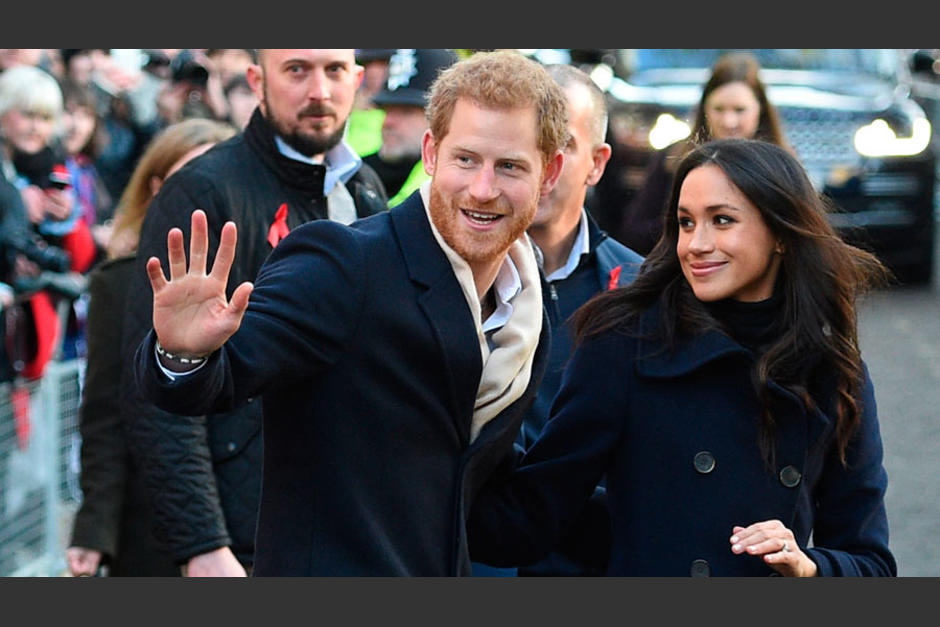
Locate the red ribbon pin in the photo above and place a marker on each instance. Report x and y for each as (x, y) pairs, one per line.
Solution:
(614, 278)
(278, 229)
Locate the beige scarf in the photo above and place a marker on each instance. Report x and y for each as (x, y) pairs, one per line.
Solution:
(508, 367)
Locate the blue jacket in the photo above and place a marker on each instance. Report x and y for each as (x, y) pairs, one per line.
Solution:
(360, 342)
(676, 434)
(607, 265)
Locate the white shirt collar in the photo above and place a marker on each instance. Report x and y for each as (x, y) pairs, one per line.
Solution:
(582, 246)
(341, 162)
(507, 285)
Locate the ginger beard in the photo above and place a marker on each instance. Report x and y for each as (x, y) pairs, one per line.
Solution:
(488, 242)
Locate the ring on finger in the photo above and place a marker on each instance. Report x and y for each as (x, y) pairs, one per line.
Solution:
(786, 547)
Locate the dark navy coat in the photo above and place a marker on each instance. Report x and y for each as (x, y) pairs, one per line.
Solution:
(677, 436)
(360, 341)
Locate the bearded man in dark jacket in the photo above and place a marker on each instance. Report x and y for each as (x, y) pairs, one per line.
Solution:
(289, 166)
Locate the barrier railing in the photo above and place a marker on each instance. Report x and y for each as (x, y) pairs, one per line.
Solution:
(39, 468)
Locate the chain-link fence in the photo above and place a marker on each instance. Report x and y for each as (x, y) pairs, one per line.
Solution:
(39, 468)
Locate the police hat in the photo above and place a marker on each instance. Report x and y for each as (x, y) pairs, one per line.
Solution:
(364, 55)
(410, 75)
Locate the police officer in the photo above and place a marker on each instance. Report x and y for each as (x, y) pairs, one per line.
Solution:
(398, 159)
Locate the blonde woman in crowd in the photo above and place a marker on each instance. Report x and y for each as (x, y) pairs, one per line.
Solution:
(112, 528)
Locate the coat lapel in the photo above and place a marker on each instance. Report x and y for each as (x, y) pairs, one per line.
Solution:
(687, 356)
(444, 304)
(800, 429)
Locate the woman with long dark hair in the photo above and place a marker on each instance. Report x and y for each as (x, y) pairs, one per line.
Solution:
(733, 103)
(723, 393)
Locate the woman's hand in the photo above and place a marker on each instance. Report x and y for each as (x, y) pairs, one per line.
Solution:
(776, 544)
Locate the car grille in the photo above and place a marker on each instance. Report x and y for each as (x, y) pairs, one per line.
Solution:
(823, 138)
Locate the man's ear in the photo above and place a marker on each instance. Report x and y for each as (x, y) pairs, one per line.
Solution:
(359, 72)
(255, 77)
(429, 152)
(600, 155)
(552, 172)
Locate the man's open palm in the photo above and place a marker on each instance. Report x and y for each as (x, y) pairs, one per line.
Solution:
(191, 314)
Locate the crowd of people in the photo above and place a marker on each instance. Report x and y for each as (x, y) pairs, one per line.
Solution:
(387, 337)
(73, 125)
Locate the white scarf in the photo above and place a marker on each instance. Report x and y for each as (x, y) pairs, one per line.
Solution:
(508, 367)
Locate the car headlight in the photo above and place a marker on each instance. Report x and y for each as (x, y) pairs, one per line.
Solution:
(667, 130)
(878, 139)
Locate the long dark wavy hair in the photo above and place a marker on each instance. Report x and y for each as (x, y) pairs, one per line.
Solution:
(820, 279)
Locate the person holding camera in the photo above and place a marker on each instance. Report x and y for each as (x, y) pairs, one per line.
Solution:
(185, 93)
(196, 82)
(33, 161)
(30, 105)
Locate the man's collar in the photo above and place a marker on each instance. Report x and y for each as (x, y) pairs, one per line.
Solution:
(506, 286)
(341, 161)
(582, 246)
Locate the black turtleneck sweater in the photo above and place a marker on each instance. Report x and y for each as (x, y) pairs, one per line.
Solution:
(754, 325)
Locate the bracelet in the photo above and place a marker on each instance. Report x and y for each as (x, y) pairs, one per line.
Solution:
(189, 361)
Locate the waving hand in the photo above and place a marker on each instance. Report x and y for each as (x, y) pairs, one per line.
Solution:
(191, 314)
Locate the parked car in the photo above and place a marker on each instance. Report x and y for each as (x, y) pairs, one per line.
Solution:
(848, 113)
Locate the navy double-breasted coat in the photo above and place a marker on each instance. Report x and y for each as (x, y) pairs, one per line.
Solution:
(677, 435)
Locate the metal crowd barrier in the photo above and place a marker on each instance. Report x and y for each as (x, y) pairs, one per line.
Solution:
(39, 468)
